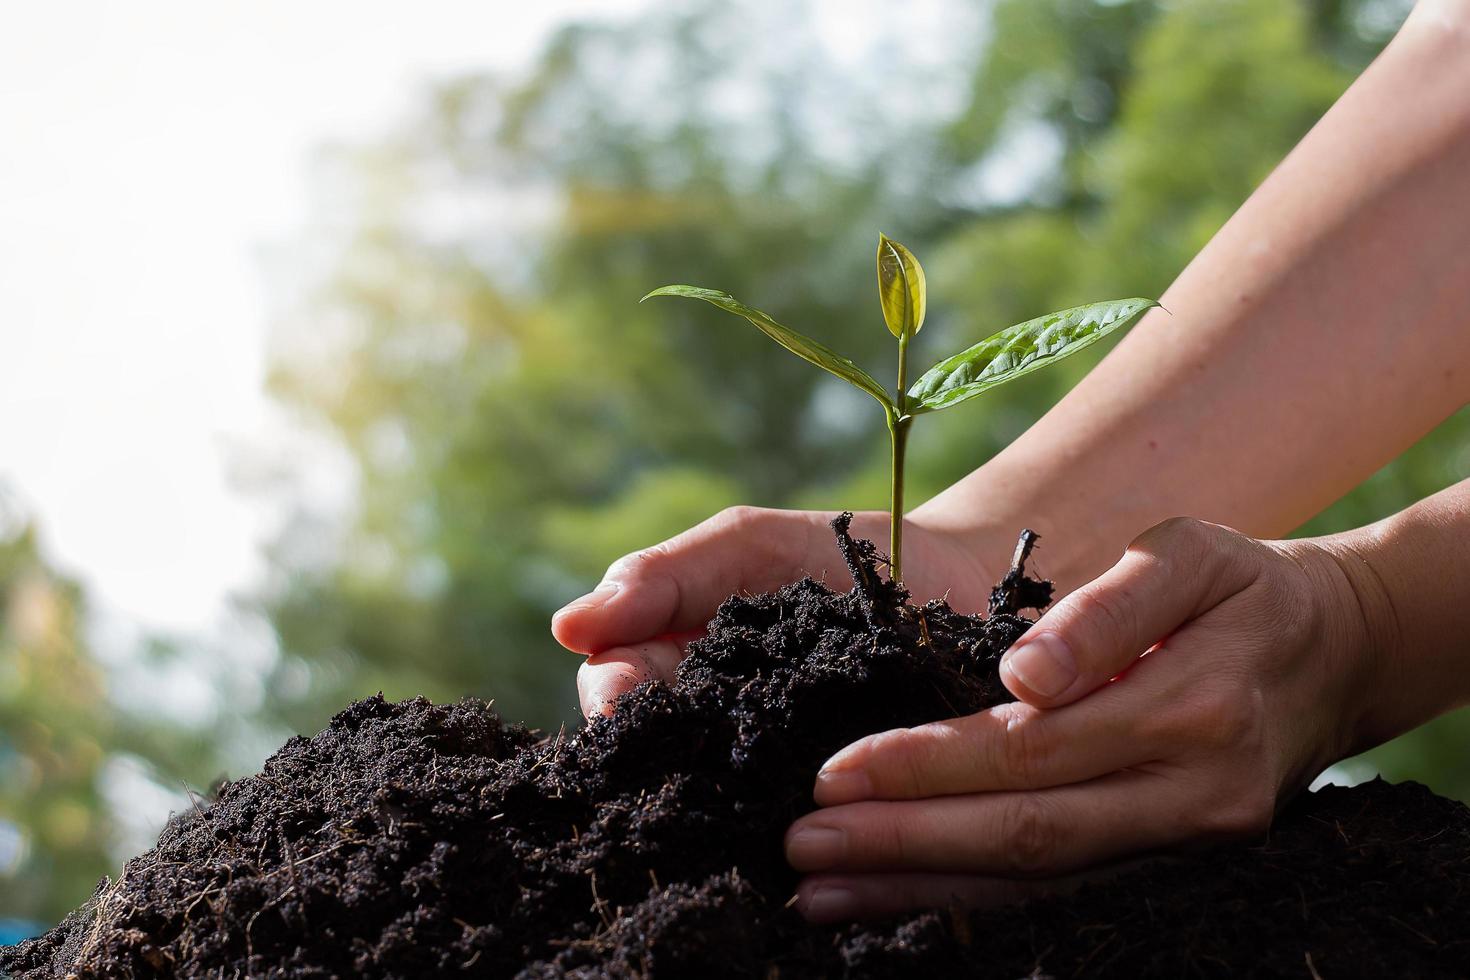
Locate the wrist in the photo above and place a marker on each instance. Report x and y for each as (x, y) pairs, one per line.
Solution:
(977, 523)
(1363, 601)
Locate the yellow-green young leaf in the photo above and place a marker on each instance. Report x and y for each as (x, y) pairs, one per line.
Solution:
(803, 347)
(901, 288)
(1020, 350)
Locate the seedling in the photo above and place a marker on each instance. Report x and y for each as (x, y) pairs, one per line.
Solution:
(999, 358)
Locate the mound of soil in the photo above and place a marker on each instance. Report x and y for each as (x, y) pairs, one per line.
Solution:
(417, 840)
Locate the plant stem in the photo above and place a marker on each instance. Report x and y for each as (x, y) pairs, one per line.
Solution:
(898, 434)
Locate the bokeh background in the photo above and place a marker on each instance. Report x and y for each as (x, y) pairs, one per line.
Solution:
(321, 367)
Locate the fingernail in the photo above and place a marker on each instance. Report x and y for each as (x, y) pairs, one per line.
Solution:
(591, 600)
(812, 848)
(845, 785)
(830, 903)
(1043, 663)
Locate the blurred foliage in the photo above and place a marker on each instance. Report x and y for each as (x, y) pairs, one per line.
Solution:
(70, 752)
(53, 728)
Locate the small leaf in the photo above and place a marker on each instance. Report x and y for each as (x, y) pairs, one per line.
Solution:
(803, 347)
(1020, 350)
(901, 288)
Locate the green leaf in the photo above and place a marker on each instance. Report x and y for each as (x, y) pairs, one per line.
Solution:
(1020, 350)
(901, 288)
(803, 347)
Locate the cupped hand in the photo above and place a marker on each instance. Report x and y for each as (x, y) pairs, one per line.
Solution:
(1176, 698)
(636, 624)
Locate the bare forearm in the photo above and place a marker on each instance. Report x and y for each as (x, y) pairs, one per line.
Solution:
(1323, 330)
(1409, 575)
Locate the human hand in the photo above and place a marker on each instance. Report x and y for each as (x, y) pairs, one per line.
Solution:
(1176, 698)
(636, 625)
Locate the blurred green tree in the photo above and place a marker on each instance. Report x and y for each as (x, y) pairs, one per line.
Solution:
(54, 725)
(74, 756)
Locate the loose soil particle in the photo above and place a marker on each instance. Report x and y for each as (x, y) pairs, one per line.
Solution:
(419, 840)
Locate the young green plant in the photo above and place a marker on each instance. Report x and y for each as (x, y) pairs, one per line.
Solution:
(1001, 357)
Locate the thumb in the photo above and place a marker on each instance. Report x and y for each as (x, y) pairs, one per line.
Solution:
(1170, 574)
(605, 676)
(676, 586)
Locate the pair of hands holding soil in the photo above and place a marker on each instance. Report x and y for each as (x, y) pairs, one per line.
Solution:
(1175, 698)
(1181, 692)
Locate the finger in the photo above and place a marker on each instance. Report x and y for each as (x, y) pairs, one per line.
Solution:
(829, 898)
(678, 585)
(604, 676)
(843, 898)
(1013, 834)
(1170, 574)
(1009, 747)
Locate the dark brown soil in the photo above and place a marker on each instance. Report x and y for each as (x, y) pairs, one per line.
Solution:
(416, 840)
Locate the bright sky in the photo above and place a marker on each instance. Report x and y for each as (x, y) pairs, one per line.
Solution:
(147, 152)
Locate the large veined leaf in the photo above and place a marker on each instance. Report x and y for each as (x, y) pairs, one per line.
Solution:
(1020, 350)
(803, 347)
(901, 288)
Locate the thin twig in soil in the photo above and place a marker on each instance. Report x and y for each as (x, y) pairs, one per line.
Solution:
(290, 856)
(1121, 951)
(599, 904)
(953, 711)
(271, 874)
(1312, 967)
(1396, 919)
(103, 900)
(193, 799)
(249, 939)
(1420, 840)
(1041, 956)
(1082, 967)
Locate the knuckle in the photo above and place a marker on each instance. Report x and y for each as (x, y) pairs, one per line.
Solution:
(763, 534)
(638, 563)
(1236, 811)
(1020, 749)
(1174, 531)
(1227, 718)
(1030, 835)
(1107, 615)
(881, 841)
(898, 760)
(739, 518)
(1180, 527)
(1187, 545)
